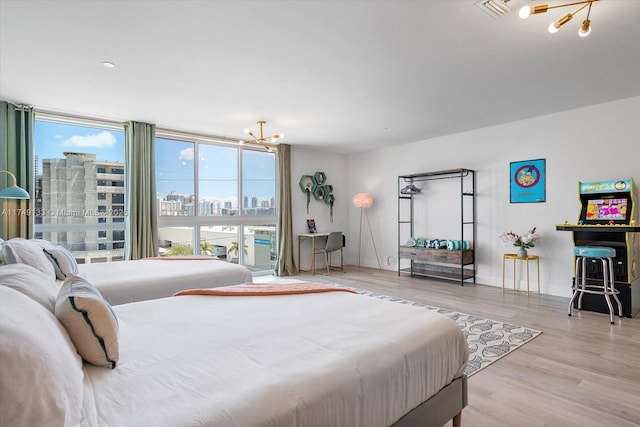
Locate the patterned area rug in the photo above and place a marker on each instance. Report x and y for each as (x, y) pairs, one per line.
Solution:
(488, 340)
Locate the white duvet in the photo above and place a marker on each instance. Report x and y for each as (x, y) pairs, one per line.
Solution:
(145, 279)
(329, 359)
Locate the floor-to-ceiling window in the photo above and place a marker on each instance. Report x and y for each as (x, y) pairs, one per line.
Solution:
(216, 199)
(79, 186)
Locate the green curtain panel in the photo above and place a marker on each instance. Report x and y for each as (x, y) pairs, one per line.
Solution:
(285, 265)
(142, 221)
(17, 125)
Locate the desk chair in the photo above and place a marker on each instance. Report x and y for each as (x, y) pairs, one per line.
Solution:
(335, 242)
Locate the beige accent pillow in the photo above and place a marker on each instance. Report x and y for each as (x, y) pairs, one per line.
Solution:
(89, 320)
(23, 251)
(40, 373)
(31, 282)
(62, 260)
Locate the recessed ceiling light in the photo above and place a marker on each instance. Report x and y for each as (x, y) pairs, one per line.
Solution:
(108, 64)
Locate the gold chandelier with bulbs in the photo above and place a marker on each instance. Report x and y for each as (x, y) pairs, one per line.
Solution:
(554, 27)
(266, 141)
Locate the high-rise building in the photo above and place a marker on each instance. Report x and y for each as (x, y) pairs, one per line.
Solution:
(173, 207)
(78, 191)
(206, 208)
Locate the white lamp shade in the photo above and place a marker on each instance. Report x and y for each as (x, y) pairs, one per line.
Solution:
(362, 200)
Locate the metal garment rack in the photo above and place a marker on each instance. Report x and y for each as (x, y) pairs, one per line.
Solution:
(458, 265)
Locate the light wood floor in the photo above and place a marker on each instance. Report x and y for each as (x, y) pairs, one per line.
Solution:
(581, 371)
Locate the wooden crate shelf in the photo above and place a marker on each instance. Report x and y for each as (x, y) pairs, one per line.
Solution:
(437, 255)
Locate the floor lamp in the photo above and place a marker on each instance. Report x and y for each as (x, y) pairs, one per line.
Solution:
(365, 201)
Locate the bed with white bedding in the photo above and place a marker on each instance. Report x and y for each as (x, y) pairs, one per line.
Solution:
(324, 359)
(144, 279)
(126, 281)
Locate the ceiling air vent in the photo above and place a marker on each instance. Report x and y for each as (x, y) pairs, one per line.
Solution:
(494, 8)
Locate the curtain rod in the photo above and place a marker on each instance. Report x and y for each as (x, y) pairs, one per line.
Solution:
(21, 107)
(74, 119)
(209, 138)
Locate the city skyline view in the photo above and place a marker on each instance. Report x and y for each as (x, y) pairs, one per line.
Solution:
(175, 162)
(80, 187)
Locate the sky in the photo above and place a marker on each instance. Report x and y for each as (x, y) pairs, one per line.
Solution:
(175, 163)
(52, 139)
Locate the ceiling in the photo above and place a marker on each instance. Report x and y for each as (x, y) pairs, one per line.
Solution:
(339, 76)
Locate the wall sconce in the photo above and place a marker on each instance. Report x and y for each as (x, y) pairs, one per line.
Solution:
(13, 191)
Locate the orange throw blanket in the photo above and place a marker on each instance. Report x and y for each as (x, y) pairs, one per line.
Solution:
(252, 289)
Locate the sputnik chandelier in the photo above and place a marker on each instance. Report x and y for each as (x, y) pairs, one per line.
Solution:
(554, 27)
(266, 142)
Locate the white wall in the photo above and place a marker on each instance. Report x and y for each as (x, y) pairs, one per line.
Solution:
(600, 142)
(308, 162)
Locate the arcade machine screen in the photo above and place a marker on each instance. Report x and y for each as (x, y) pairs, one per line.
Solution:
(606, 210)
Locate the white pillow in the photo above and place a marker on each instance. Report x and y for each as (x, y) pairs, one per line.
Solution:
(63, 261)
(40, 372)
(42, 243)
(31, 282)
(28, 252)
(89, 320)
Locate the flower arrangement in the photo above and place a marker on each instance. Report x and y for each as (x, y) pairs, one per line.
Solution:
(524, 241)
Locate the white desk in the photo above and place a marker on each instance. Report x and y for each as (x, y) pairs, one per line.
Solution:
(312, 236)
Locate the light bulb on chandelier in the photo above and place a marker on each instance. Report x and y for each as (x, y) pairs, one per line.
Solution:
(585, 29)
(526, 11)
(554, 27)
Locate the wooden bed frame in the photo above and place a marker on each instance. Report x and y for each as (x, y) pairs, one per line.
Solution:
(445, 405)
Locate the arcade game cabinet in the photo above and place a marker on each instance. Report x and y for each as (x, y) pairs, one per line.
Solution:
(608, 217)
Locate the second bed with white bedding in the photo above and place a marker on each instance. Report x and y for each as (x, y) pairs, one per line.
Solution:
(129, 281)
(329, 359)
